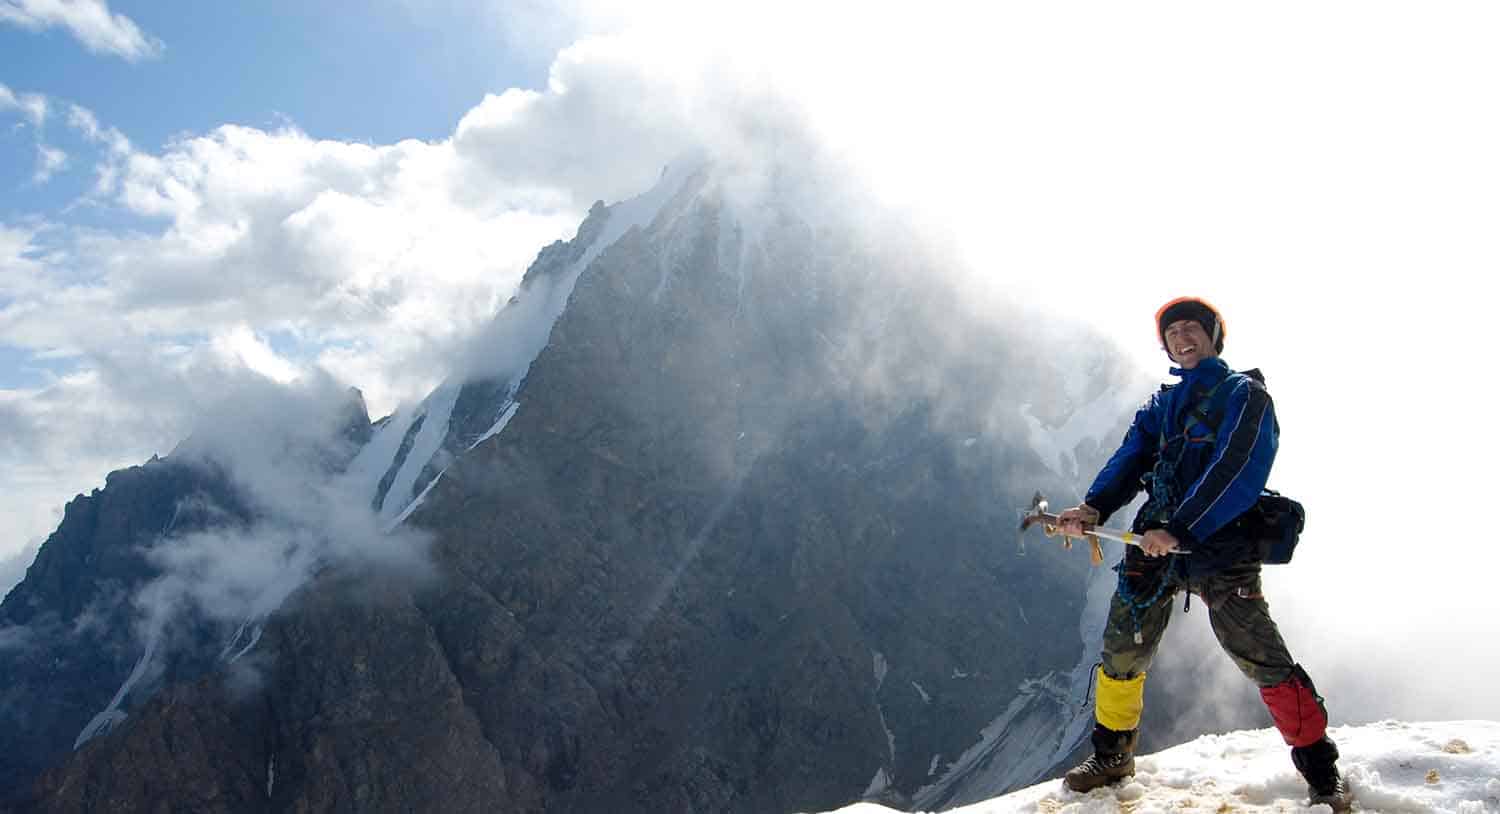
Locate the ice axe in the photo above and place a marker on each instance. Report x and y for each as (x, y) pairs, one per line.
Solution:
(1052, 527)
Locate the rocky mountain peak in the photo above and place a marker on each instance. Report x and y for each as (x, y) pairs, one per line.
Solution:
(717, 514)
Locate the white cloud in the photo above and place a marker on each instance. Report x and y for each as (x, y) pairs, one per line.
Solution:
(604, 128)
(84, 120)
(12, 571)
(59, 441)
(48, 162)
(35, 108)
(17, 257)
(33, 105)
(90, 21)
(241, 344)
(387, 249)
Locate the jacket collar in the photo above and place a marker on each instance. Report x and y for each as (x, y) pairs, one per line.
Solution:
(1208, 371)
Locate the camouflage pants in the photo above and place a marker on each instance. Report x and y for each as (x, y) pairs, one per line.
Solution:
(1236, 610)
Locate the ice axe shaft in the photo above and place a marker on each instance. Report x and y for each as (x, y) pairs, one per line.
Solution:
(1052, 527)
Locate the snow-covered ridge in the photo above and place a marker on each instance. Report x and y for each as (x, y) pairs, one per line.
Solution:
(1393, 767)
(390, 467)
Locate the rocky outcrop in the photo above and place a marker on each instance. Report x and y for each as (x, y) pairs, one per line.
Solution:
(72, 616)
(77, 657)
(192, 747)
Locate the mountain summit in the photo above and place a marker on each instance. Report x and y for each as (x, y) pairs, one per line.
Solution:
(719, 514)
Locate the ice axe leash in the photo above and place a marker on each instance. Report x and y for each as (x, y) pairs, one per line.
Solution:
(1052, 527)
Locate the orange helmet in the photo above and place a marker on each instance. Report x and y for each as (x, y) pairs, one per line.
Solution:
(1197, 309)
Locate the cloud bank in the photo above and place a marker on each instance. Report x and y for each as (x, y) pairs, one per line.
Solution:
(283, 447)
(89, 21)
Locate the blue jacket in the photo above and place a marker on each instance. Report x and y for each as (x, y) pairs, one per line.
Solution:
(1216, 479)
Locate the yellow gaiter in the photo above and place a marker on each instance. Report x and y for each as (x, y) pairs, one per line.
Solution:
(1118, 702)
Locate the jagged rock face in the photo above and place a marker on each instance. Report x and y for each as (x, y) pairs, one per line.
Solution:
(189, 748)
(73, 610)
(746, 545)
(709, 527)
(73, 625)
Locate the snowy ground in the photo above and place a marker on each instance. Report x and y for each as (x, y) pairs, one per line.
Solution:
(1392, 767)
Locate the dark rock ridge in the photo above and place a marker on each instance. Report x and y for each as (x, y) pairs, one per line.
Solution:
(747, 544)
(74, 615)
(74, 624)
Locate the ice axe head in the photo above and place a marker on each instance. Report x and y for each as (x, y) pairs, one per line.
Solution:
(1035, 514)
(1038, 514)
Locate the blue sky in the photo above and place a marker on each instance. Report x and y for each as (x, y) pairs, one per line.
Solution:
(373, 72)
(366, 71)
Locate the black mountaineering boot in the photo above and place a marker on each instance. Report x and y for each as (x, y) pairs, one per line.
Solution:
(1318, 763)
(1113, 760)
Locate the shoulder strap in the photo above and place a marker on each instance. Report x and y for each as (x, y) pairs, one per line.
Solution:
(1210, 408)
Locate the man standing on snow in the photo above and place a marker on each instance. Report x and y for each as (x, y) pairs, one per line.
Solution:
(1203, 449)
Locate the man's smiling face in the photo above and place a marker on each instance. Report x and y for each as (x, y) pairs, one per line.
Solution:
(1188, 344)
